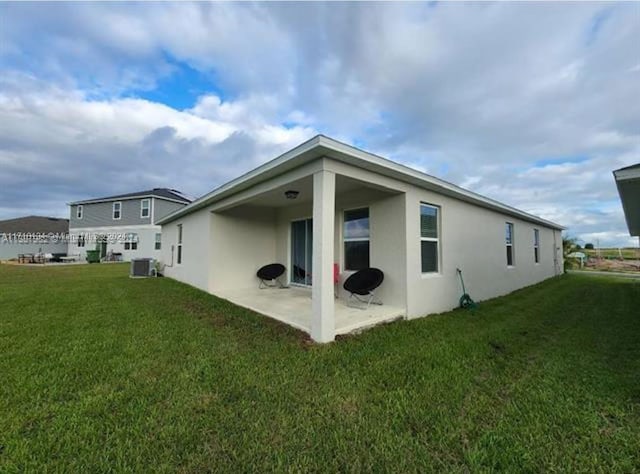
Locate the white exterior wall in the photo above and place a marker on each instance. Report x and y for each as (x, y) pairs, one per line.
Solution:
(146, 241)
(472, 239)
(196, 263)
(242, 241)
(388, 248)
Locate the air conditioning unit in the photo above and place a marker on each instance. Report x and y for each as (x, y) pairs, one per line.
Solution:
(142, 268)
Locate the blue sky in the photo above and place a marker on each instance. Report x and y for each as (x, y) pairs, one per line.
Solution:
(528, 103)
(180, 87)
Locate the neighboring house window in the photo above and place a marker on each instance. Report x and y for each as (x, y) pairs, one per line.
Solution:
(132, 242)
(145, 208)
(117, 210)
(509, 242)
(536, 245)
(158, 244)
(81, 240)
(179, 260)
(79, 211)
(429, 238)
(356, 239)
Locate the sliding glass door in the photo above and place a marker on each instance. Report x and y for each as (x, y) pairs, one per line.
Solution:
(301, 245)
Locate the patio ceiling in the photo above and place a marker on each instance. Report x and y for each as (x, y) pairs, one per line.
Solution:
(304, 187)
(628, 182)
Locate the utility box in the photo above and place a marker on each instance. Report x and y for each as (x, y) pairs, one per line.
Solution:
(142, 267)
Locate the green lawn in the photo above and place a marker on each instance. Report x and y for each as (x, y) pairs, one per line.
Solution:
(101, 373)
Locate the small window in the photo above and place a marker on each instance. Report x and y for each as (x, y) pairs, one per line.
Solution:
(429, 238)
(509, 242)
(145, 208)
(131, 243)
(179, 260)
(79, 211)
(356, 239)
(536, 245)
(158, 243)
(117, 210)
(81, 240)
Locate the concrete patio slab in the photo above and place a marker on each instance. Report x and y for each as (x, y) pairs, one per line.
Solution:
(292, 306)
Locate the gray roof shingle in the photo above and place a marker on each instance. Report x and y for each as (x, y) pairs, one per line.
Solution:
(34, 224)
(162, 193)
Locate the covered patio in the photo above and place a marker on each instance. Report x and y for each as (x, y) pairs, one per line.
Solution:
(299, 220)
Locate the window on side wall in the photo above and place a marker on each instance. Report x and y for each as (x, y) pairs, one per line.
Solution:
(79, 211)
(509, 244)
(145, 208)
(132, 242)
(536, 245)
(356, 239)
(158, 243)
(179, 259)
(117, 210)
(429, 238)
(80, 241)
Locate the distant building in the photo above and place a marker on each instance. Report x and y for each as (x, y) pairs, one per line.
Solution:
(32, 235)
(122, 226)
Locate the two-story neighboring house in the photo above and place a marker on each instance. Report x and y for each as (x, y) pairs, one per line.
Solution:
(123, 226)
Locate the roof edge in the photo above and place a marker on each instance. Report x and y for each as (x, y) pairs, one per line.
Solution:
(204, 200)
(452, 189)
(400, 171)
(628, 172)
(128, 198)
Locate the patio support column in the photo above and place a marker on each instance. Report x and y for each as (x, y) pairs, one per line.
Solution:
(323, 327)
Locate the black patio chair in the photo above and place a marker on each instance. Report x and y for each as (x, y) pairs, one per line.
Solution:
(269, 275)
(363, 284)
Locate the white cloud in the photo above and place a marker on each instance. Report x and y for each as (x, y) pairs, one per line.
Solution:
(58, 147)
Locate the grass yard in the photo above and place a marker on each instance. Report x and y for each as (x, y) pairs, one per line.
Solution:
(101, 373)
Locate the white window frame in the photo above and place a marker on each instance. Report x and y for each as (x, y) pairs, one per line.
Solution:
(431, 239)
(131, 240)
(113, 211)
(79, 211)
(179, 246)
(80, 242)
(511, 244)
(142, 208)
(354, 239)
(157, 244)
(536, 246)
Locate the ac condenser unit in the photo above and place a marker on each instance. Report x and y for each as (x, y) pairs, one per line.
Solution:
(142, 267)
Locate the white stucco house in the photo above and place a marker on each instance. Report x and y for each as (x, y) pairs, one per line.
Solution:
(325, 203)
